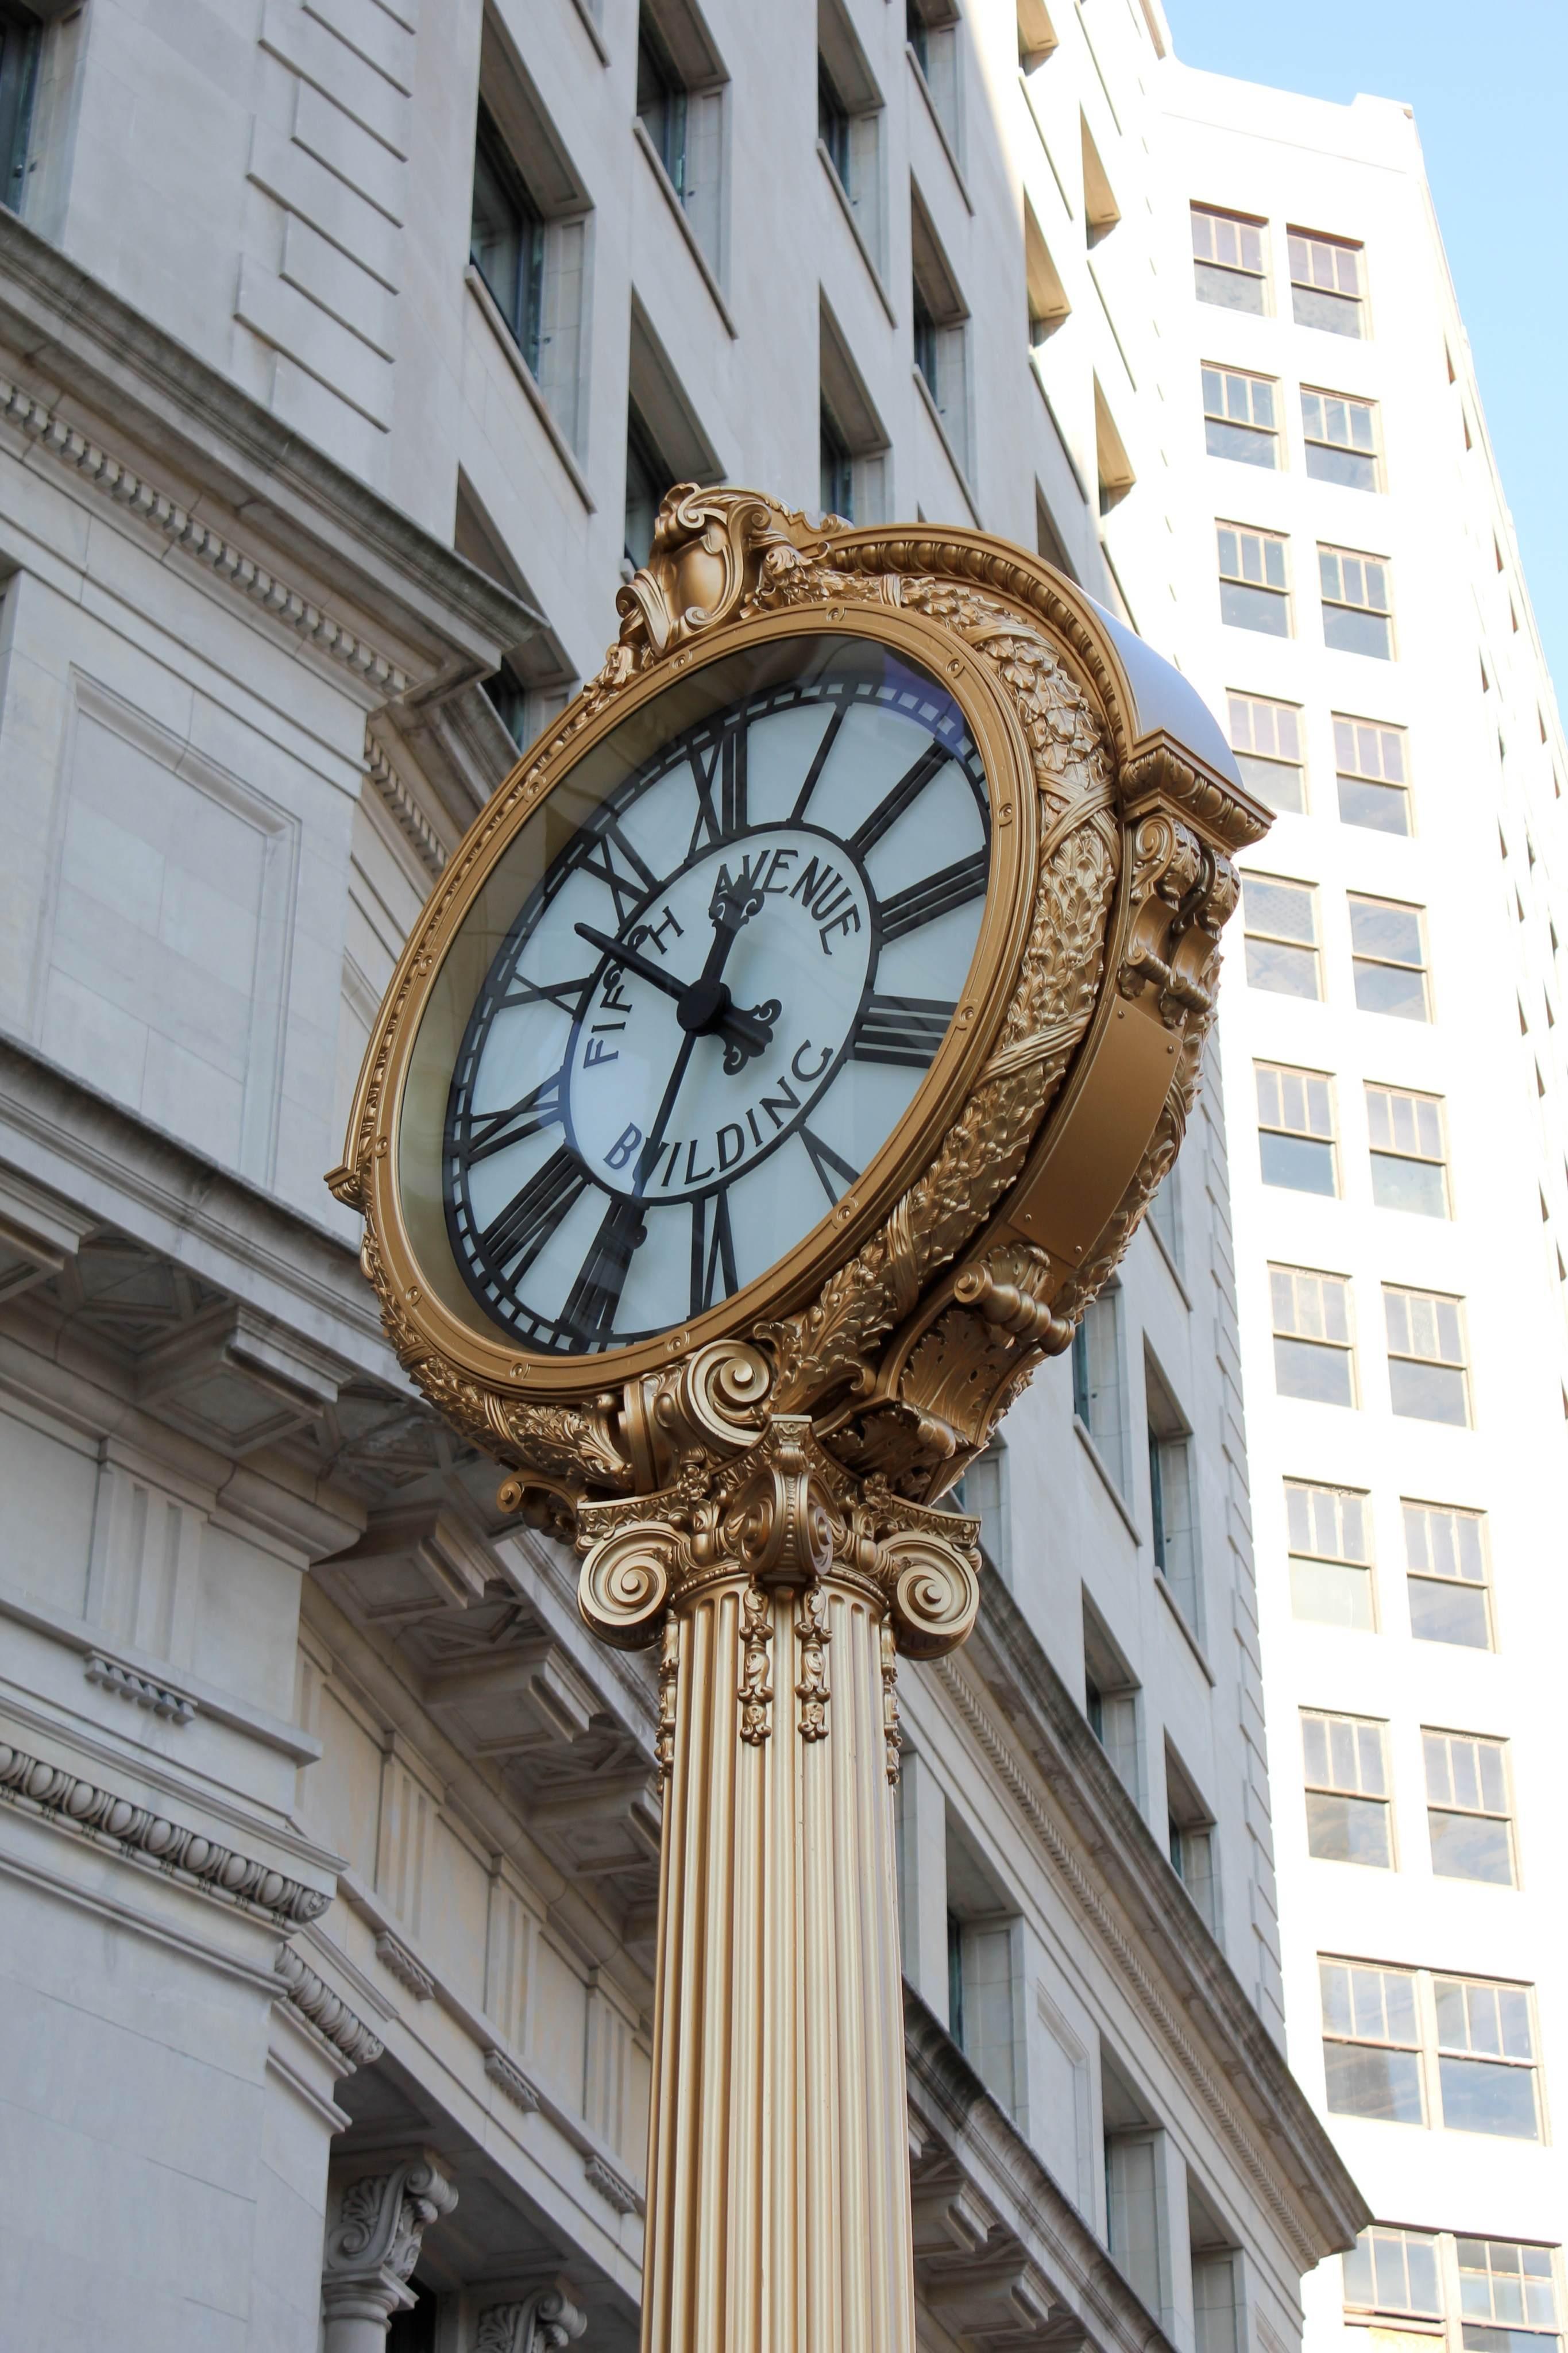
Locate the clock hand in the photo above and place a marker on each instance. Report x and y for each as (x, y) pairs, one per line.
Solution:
(703, 1005)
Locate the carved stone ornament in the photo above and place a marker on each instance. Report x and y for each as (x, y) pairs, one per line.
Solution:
(903, 1328)
(540, 2322)
(373, 2243)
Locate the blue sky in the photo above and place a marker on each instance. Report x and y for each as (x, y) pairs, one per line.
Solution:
(1488, 87)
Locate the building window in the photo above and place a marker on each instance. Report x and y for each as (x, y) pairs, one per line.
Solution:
(1372, 774)
(849, 124)
(982, 1492)
(1132, 2139)
(20, 34)
(1330, 1555)
(1468, 1811)
(1164, 1215)
(1110, 1702)
(838, 471)
(506, 241)
(1313, 1356)
(1266, 737)
(1296, 1129)
(1446, 1565)
(1371, 2042)
(1409, 1163)
(680, 104)
(1327, 285)
(1281, 933)
(932, 29)
(1395, 2271)
(1228, 261)
(1254, 593)
(1388, 958)
(1172, 1505)
(1096, 1384)
(941, 318)
(1217, 2307)
(1240, 418)
(1357, 614)
(1427, 1376)
(1348, 1815)
(648, 476)
(1504, 2289)
(955, 1977)
(1341, 435)
(1485, 2058)
(1189, 1834)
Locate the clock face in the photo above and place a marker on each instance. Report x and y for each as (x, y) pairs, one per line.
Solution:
(717, 1000)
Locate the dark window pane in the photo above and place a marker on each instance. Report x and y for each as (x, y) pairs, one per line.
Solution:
(1296, 1162)
(1448, 1613)
(1331, 1593)
(1287, 971)
(1351, 468)
(1477, 2339)
(1254, 608)
(1382, 809)
(1366, 2081)
(1348, 629)
(1414, 1185)
(1233, 290)
(1390, 988)
(1242, 441)
(1428, 1392)
(1480, 2096)
(1347, 1830)
(1304, 1369)
(1274, 781)
(1469, 1846)
(1339, 313)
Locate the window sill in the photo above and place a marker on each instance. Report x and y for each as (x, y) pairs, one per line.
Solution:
(1112, 1489)
(667, 189)
(529, 381)
(939, 127)
(591, 29)
(1174, 1607)
(1161, 1244)
(842, 193)
(934, 413)
(1040, 134)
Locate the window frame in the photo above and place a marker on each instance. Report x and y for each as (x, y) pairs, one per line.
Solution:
(1372, 452)
(1267, 450)
(1452, 1808)
(1325, 1345)
(1426, 1575)
(1378, 1090)
(1356, 306)
(1310, 1554)
(1350, 730)
(1279, 1124)
(1278, 594)
(1251, 756)
(1393, 1293)
(1238, 270)
(1372, 960)
(1250, 932)
(1340, 601)
(1367, 1796)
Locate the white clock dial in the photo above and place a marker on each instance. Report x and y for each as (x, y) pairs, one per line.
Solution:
(714, 1008)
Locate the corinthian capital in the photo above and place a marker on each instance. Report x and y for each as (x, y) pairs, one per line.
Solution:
(373, 2244)
(541, 2322)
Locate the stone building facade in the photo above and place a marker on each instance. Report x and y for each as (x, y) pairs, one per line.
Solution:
(346, 347)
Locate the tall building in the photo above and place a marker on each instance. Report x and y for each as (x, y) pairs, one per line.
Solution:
(1353, 599)
(346, 350)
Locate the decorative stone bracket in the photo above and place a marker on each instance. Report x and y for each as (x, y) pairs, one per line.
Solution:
(372, 2247)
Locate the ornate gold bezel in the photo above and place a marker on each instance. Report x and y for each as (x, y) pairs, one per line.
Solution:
(1109, 881)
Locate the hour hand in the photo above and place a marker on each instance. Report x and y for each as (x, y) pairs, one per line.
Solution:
(702, 1005)
(644, 967)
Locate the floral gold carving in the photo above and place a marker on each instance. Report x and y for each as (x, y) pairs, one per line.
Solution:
(755, 1694)
(812, 1633)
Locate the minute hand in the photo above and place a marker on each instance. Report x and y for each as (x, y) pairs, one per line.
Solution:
(756, 1034)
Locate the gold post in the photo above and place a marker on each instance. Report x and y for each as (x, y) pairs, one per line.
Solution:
(778, 2199)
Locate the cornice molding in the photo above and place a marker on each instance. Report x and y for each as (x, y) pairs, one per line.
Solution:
(163, 512)
(99, 1815)
(404, 808)
(325, 2011)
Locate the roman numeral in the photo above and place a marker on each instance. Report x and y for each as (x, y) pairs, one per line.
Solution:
(611, 859)
(721, 821)
(712, 1252)
(513, 1241)
(820, 761)
(498, 1130)
(567, 994)
(953, 886)
(593, 1299)
(905, 793)
(827, 1164)
(904, 1029)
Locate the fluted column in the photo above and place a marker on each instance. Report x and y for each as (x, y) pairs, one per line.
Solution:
(778, 2195)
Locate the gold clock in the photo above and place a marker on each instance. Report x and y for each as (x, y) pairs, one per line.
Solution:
(763, 992)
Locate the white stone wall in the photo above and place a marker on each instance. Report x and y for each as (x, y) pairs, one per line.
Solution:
(1487, 824)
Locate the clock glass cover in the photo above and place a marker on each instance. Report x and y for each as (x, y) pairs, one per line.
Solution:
(695, 995)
